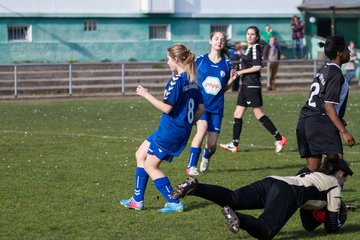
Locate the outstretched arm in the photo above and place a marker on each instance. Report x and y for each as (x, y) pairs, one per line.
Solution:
(250, 70)
(164, 107)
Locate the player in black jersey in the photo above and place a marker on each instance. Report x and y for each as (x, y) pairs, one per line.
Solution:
(280, 197)
(320, 118)
(250, 93)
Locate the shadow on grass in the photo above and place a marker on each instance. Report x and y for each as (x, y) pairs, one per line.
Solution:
(296, 166)
(249, 148)
(319, 232)
(197, 205)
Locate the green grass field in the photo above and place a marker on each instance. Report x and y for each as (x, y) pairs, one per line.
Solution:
(65, 164)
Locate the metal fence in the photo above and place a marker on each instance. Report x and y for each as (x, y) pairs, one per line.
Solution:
(118, 78)
(69, 77)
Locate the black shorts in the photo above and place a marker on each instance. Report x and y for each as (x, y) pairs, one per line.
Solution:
(317, 135)
(250, 96)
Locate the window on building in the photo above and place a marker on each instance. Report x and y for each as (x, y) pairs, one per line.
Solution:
(90, 25)
(221, 28)
(20, 33)
(159, 32)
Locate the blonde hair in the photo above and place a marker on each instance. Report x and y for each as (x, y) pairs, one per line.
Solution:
(186, 57)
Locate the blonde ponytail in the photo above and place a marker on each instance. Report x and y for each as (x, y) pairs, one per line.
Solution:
(187, 58)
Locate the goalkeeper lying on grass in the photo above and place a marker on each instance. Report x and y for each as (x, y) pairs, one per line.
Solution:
(280, 197)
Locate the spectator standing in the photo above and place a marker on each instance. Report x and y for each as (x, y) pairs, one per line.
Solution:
(350, 66)
(297, 35)
(267, 34)
(271, 52)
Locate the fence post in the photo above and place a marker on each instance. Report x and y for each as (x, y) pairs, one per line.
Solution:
(314, 67)
(123, 79)
(15, 81)
(268, 74)
(70, 79)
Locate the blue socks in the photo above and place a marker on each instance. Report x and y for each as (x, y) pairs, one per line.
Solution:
(207, 153)
(194, 157)
(164, 187)
(141, 179)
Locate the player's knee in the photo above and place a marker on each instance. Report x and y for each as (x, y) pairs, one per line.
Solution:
(149, 167)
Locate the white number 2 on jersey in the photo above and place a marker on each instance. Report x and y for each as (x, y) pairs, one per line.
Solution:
(190, 113)
(315, 89)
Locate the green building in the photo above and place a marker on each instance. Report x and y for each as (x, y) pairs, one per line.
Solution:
(141, 30)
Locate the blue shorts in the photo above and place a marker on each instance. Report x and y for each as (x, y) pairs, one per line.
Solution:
(213, 120)
(159, 152)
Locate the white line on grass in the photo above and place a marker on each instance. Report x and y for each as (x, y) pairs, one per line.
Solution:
(117, 137)
(70, 135)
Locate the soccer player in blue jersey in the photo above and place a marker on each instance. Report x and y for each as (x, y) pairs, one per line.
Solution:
(182, 106)
(320, 122)
(215, 76)
(250, 93)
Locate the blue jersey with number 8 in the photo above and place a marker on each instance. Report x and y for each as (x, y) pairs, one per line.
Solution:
(174, 128)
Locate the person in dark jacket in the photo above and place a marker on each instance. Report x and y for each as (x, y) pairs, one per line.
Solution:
(271, 53)
(297, 28)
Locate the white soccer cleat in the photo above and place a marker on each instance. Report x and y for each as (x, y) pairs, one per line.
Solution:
(230, 147)
(192, 171)
(279, 145)
(204, 165)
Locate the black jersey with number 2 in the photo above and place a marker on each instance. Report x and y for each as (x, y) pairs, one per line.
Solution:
(326, 87)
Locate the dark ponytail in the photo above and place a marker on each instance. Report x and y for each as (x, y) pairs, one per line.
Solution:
(333, 45)
(333, 163)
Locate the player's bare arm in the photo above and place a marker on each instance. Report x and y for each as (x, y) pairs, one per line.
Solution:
(233, 76)
(249, 70)
(331, 112)
(164, 107)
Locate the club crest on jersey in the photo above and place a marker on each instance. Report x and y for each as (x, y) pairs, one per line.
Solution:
(212, 85)
(222, 73)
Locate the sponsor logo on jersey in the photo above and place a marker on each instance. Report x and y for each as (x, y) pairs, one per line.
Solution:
(212, 85)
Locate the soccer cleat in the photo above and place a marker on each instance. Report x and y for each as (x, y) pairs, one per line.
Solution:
(132, 204)
(184, 188)
(230, 147)
(172, 207)
(280, 144)
(233, 221)
(204, 165)
(350, 206)
(192, 171)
